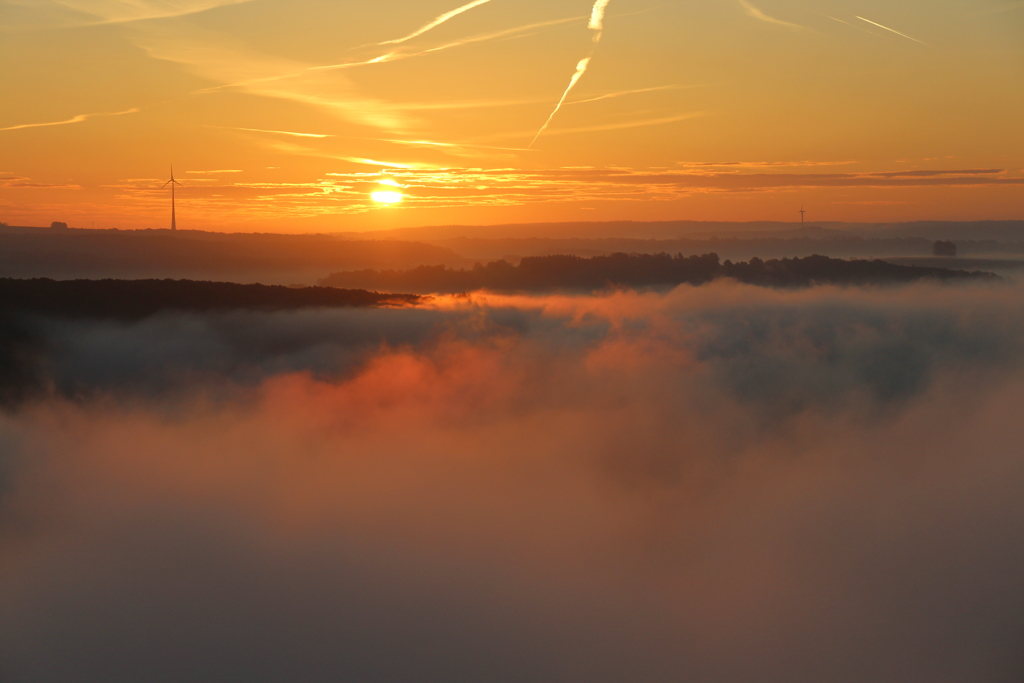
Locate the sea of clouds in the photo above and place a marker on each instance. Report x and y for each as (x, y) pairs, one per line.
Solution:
(720, 483)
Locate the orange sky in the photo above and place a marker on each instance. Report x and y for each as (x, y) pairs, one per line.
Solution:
(285, 115)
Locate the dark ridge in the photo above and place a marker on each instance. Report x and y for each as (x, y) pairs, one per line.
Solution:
(1001, 230)
(133, 254)
(644, 270)
(135, 299)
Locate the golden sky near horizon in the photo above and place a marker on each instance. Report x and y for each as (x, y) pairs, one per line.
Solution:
(292, 115)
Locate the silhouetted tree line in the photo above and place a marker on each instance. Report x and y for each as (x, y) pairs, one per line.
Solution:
(484, 249)
(641, 270)
(134, 299)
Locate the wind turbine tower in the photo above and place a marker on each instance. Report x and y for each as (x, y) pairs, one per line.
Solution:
(172, 182)
(802, 212)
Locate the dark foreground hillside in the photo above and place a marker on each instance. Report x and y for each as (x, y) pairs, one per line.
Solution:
(133, 299)
(25, 344)
(643, 270)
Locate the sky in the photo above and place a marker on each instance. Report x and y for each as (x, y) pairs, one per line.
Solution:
(309, 115)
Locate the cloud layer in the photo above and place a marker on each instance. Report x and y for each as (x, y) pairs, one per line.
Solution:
(348, 192)
(719, 483)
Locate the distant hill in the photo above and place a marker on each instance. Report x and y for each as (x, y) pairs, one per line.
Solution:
(134, 299)
(288, 259)
(563, 272)
(1003, 231)
(275, 258)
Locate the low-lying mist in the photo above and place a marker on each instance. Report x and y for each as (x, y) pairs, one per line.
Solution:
(721, 483)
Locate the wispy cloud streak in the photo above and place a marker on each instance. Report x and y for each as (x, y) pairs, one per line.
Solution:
(438, 21)
(451, 145)
(238, 68)
(215, 57)
(628, 124)
(463, 104)
(485, 104)
(75, 119)
(282, 132)
(892, 30)
(345, 192)
(623, 93)
(127, 11)
(761, 16)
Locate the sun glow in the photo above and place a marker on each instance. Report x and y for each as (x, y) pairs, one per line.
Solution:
(386, 197)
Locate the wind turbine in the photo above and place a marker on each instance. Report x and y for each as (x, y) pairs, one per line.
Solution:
(802, 212)
(172, 182)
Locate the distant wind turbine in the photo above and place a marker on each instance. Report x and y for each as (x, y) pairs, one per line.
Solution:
(802, 212)
(172, 182)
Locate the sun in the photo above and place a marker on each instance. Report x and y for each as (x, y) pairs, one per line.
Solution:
(386, 197)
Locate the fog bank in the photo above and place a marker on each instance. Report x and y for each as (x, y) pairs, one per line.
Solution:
(721, 483)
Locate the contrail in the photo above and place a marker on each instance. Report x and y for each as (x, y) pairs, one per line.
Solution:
(597, 16)
(395, 55)
(581, 68)
(518, 31)
(438, 21)
(892, 30)
(75, 119)
(596, 23)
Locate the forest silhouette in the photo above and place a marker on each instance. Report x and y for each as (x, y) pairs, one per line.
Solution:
(643, 270)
